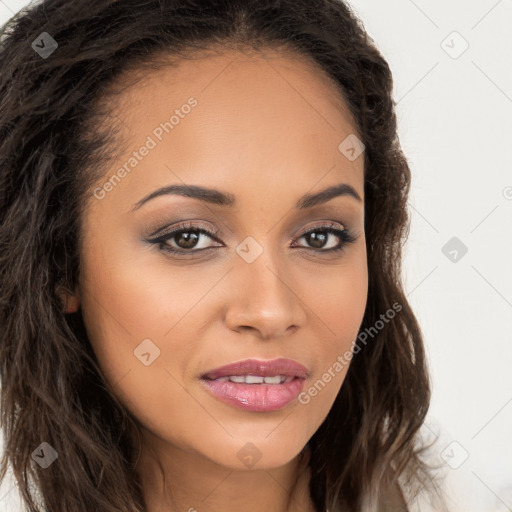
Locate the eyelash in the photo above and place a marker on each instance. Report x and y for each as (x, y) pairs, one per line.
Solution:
(346, 236)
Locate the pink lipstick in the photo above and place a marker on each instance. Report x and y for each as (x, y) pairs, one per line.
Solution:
(257, 385)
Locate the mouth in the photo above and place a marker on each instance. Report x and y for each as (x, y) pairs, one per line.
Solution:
(257, 371)
(255, 379)
(256, 385)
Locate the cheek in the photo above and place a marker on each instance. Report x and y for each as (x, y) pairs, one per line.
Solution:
(142, 317)
(133, 324)
(338, 306)
(138, 296)
(338, 298)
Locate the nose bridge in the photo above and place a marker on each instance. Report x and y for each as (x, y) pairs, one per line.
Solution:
(263, 298)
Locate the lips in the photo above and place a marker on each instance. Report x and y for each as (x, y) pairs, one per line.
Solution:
(272, 368)
(256, 385)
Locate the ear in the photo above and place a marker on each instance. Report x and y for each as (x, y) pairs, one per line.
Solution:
(70, 301)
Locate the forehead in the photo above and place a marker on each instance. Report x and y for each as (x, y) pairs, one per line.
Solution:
(259, 120)
(278, 70)
(279, 85)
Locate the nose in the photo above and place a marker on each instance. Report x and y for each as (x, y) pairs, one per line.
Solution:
(265, 299)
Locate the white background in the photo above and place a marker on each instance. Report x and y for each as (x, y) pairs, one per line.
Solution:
(455, 119)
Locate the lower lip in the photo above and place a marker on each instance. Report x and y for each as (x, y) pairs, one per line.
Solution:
(256, 397)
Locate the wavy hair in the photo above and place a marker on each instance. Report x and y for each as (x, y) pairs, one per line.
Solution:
(57, 135)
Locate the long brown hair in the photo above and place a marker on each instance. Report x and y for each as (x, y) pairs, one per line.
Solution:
(55, 140)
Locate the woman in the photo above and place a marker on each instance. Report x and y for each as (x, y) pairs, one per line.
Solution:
(202, 213)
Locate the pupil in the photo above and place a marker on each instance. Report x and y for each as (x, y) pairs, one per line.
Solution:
(190, 238)
(318, 239)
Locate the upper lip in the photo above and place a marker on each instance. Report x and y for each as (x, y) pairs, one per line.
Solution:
(263, 368)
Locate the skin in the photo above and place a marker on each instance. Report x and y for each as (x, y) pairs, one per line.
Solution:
(266, 129)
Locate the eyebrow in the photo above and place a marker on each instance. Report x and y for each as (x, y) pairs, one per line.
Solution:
(213, 196)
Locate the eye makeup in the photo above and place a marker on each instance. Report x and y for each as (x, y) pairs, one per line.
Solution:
(192, 232)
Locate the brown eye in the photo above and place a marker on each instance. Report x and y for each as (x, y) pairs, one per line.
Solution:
(321, 236)
(185, 238)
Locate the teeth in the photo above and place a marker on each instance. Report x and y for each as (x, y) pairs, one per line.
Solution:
(255, 379)
(273, 380)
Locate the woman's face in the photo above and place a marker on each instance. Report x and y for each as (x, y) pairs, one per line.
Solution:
(264, 132)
